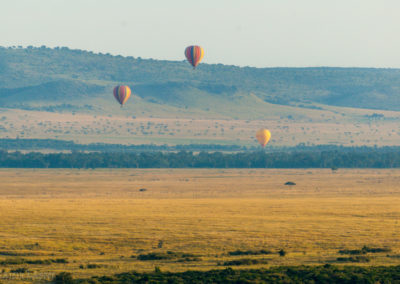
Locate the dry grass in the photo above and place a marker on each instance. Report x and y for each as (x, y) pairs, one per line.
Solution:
(339, 126)
(100, 216)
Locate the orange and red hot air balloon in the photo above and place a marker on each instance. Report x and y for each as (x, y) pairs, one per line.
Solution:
(194, 54)
(122, 94)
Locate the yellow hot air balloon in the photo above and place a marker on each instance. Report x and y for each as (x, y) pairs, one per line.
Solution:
(263, 136)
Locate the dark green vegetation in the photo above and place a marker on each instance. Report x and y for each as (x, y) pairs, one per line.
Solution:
(358, 258)
(13, 261)
(92, 266)
(63, 278)
(60, 145)
(183, 159)
(245, 261)
(249, 252)
(64, 145)
(62, 79)
(296, 274)
(364, 250)
(169, 255)
(20, 270)
(282, 252)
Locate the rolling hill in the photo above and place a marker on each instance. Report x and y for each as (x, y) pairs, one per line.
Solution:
(67, 94)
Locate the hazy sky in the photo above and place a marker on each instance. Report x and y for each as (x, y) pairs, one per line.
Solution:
(260, 33)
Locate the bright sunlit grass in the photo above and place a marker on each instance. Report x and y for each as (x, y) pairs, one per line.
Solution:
(100, 217)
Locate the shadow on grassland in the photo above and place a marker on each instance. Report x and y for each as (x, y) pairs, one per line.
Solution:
(283, 274)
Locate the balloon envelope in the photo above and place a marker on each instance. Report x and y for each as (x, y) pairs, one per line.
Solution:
(122, 94)
(194, 54)
(263, 136)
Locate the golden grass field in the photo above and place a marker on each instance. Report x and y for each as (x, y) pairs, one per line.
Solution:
(101, 217)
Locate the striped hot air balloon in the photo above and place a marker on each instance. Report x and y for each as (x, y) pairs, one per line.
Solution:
(194, 54)
(122, 94)
(263, 136)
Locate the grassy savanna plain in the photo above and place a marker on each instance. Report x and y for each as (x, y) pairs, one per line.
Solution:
(99, 221)
(289, 126)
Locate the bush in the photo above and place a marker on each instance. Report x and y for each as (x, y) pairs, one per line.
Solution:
(60, 260)
(63, 278)
(364, 250)
(152, 256)
(13, 261)
(282, 252)
(163, 255)
(12, 253)
(375, 250)
(290, 183)
(93, 266)
(20, 270)
(351, 251)
(245, 261)
(359, 258)
(39, 261)
(188, 259)
(249, 252)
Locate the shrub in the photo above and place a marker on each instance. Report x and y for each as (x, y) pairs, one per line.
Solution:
(12, 261)
(187, 259)
(163, 255)
(152, 256)
(290, 183)
(375, 250)
(351, 251)
(19, 270)
(39, 261)
(11, 253)
(359, 258)
(63, 278)
(93, 265)
(282, 252)
(364, 250)
(60, 260)
(245, 261)
(249, 252)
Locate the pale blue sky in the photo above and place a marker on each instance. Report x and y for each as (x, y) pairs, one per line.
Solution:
(262, 33)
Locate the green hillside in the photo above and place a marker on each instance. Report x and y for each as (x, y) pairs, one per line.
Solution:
(43, 76)
(66, 94)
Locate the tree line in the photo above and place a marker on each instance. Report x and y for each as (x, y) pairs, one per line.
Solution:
(69, 145)
(55, 144)
(184, 159)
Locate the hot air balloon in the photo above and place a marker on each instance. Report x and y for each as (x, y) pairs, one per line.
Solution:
(122, 94)
(194, 54)
(263, 136)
